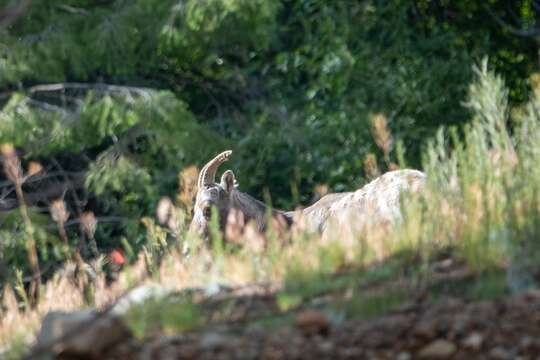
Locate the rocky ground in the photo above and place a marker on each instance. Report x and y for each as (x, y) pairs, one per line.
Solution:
(448, 329)
(442, 320)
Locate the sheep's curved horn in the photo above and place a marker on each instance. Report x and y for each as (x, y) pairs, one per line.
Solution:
(208, 172)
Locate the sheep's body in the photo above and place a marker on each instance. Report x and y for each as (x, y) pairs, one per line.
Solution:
(316, 215)
(376, 203)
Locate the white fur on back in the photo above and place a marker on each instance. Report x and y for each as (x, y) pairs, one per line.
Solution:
(376, 202)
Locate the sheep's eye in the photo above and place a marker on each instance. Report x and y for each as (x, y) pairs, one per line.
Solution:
(207, 212)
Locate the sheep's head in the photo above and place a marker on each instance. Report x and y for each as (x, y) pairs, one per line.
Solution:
(212, 195)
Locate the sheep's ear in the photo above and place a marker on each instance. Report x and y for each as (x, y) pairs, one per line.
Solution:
(228, 181)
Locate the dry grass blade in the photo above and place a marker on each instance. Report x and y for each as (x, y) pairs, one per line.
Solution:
(14, 172)
(382, 136)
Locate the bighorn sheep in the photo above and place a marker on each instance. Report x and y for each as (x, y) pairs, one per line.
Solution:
(226, 197)
(375, 203)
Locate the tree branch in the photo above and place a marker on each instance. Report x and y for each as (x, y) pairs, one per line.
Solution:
(45, 194)
(529, 32)
(140, 91)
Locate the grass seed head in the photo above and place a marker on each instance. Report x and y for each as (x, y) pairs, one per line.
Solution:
(88, 223)
(12, 163)
(58, 211)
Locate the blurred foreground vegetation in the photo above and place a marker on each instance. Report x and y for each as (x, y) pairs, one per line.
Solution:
(114, 98)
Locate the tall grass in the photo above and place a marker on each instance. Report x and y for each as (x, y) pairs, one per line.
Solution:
(482, 196)
(481, 201)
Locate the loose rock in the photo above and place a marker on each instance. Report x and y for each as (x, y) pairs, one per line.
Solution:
(473, 341)
(426, 329)
(404, 356)
(82, 333)
(498, 353)
(138, 296)
(438, 349)
(312, 322)
(212, 340)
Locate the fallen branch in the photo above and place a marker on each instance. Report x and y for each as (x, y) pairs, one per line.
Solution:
(46, 194)
(107, 88)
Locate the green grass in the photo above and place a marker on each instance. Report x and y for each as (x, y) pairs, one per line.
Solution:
(169, 315)
(488, 286)
(269, 323)
(16, 349)
(303, 285)
(364, 307)
(485, 286)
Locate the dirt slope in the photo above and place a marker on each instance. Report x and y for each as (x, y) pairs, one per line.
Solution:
(448, 329)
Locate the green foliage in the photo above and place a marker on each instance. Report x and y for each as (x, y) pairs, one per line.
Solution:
(13, 237)
(169, 315)
(375, 305)
(483, 195)
(47, 48)
(486, 286)
(17, 348)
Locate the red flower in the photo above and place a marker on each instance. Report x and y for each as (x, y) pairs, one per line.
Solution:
(117, 257)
